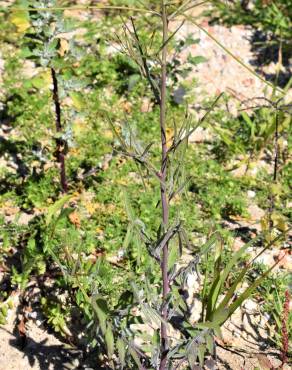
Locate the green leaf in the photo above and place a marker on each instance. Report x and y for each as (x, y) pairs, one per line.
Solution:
(78, 100)
(247, 293)
(192, 354)
(249, 122)
(121, 347)
(41, 267)
(209, 243)
(57, 206)
(125, 299)
(2, 319)
(129, 210)
(100, 307)
(201, 353)
(220, 280)
(128, 237)
(4, 310)
(31, 246)
(25, 52)
(217, 332)
(213, 296)
(20, 19)
(133, 80)
(208, 325)
(196, 60)
(231, 290)
(152, 316)
(191, 41)
(210, 343)
(240, 278)
(135, 357)
(156, 338)
(37, 82)
(52, 45)
(109, 340)
(220, 316)
(173, 256)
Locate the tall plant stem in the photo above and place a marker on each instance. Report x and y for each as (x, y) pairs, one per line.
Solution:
(276, 148)
(163, 190)
(60, 144)
(275, 172)
(285, 335)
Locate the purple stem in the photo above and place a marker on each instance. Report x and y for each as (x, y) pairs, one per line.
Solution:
(163, 193)
(60, 144)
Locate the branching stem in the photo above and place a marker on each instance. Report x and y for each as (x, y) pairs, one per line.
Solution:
(276, 148)
(60, 144)
(163, 190)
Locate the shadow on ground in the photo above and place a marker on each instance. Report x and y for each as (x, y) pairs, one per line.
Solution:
(48, 356)
(37, 353)
(266, 51)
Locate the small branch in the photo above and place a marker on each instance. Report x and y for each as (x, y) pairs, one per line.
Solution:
(171, 36)
(145, 65)
(175, 145)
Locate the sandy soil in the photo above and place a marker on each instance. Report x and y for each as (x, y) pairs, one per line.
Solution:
(42, 350)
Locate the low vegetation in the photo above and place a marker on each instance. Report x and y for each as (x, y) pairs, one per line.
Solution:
(110, 203)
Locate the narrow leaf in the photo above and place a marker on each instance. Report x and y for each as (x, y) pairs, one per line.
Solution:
(57, 206)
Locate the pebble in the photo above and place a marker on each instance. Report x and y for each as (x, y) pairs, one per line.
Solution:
(256, 213)
(200, 135)
(251, 305)
(237, 244)
(196, 310)
(266, 258)
(251, 193)
(236, 334)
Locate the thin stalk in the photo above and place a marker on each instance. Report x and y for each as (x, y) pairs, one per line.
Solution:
(60, 144)
(85, 8)
(285, 335)
(276, 148)
(277, 117)
(163, 190)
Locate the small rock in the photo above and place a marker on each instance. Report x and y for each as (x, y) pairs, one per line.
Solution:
(196, 310)
(200, 135)
(237, 244)
(106, 161)
(266, 258)
(24, 218)
(29, 69)
(11, 210)
(239, 171)
(285, 259)
(256, 213)
(251, 305)
(33, 315)
(210, 364)
(76, 363)
(193, 284)
(236, 334)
